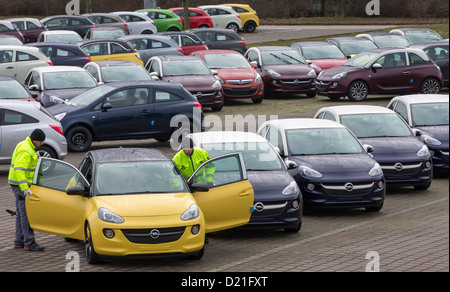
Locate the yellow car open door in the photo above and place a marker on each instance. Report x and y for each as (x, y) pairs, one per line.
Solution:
(229, 201)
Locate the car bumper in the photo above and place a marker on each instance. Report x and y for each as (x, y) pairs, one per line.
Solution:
(134, 238)
(279, 214)
(210, 98)
(249, 91)
(412, 174)
(440, 158)
(289, 85)
(331, 88)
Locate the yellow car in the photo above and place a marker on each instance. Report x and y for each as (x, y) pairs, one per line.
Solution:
(110, 50)
(133, 201)
(249, 17)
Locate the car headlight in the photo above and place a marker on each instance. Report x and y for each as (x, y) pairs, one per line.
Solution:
(312, 73)
(291, 189)
(430, 140)
(376, 170)
(60, 116)
(339, 76)
(423, 152)
(108, 216)
(258, 78)
(274, 74)
(216, 84)
(191, 213)
(309, 172)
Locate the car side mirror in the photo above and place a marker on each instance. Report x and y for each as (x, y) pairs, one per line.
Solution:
(154, 75)
(368, 148)
(76, 190)
(215, 72)
(34, 87)
(291, 164)
(254, 64)
(199, 187)
(106, 107)
(376, 66)
(309, 62)
(417, 132)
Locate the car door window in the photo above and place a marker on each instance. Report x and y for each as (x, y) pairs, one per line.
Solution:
(415, 59)
(47, 51)
(187, 41)
(328, 116)
(86, 169)
(96, 49)
(11, 117)
(20, 25)
(94, 72)
(31, 25)
(35, 79)
(164, 96)
(154, 67)
(206, 36)
(22, 56)
(6, 56)
(273, 135)
(128, 97)
(392, 60)
(401, 109)
(117, 49)
(222, 37)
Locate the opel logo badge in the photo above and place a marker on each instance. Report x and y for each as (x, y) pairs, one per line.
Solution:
(296, 81)
(199, 94)
(154, 233)
(398, 166)
(259, 207)
(349, 187)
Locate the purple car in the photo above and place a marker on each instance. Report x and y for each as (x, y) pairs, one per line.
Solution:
(381, 71)
(31, 28)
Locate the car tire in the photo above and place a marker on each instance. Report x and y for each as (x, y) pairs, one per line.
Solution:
(147, 31)
(423, 187)
(197, 255)
(79, 139)
(250, 26)
(257, 99)
(46, 151)
(91, 256)
(374, 208)
(173, 29)
(233, 26)
(334, 97)
(311, 94)
(358, 91)
(430, 86)
(217, 108)
(295, 228)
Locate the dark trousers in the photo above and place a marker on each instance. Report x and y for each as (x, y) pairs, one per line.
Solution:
(24, 234)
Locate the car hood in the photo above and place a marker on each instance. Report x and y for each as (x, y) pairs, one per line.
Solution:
(268, 185)
(146, 205)
(194, 83)
(328, 63)
(290, 70)
(338, 166)
(66, 93)
(236, 74)
(438, 132)
(328, 73)
(63, 108)
(394, 149)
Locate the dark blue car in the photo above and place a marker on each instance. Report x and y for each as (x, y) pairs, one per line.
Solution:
(63, 54)
(332, 168)
(128, 110)
(405, 160)
(429, 114)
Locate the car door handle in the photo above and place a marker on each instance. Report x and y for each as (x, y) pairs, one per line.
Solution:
(244, 194)
(9, 67)
(34, 198)
(406, 73)
(145, 111)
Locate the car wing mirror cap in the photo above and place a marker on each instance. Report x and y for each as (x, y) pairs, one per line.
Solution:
(417, 132)
(377, 66)
(199, 187)
(76, 190)
(291, 164)
(368, 148)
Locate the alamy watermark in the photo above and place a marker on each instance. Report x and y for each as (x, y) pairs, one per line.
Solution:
(373, 8)
(73, 7)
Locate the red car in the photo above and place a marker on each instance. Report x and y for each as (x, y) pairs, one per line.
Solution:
(381, 71)
(237, 76)
(31, 28)
(323, 55)
(188, 41)
(6, 27)
(197, 17)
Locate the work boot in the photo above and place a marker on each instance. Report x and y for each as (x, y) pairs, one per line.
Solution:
(34, 247)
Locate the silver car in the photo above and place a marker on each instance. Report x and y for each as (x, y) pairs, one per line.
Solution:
(138, 22)
(153, 45)
(19, 118)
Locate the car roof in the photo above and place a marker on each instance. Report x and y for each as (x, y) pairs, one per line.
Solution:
(19, 104)
(127, 154)
(312, 44)
(275, 48)
(122, 42)
(304, 123)
(115, 63)
(357, 109)
(226, 136)
(59, 31)
(422, 98)
(349, 38)
(5, 77)
(212, 52)
(58, 69)
(221, 30)
(148, 36)
(20, 48)
(176, 57)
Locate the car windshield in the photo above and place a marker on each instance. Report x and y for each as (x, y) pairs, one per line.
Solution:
(91, 95)
(63, 38)
(376, 125)
(322, 141)
(226, 61)
(417, 37)
(352, 47)
(322, 52)
(139, 177)
(282, 58)
(258, 156)
(361, 59)
(68, 80)
(185, 67)
(123, 73)
(430, 114)
(12, 89)
(389, 41)
(107, 34)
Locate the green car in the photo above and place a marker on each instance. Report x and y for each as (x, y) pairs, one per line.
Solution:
(165, 20)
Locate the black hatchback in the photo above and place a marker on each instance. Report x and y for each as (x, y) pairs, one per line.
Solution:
(79, 24)
(216, 38)
(129, 110)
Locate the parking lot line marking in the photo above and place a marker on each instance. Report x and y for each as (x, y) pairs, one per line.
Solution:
(306, 240)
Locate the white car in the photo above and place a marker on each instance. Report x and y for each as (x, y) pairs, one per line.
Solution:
(138, 23)
(16, 61)
(59, 36)
(223, 17)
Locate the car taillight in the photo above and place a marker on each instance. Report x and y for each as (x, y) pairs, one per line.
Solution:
(88, 59)
(238, 15)
(49, 62)
(197, 104)
(180, 50)
(57, 129)
(242, 42)
(92, 26)
(125, 24)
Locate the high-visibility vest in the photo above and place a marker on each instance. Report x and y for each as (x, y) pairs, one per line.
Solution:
(188, 164)
(23, 164)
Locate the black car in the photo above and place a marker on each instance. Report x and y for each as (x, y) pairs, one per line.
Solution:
(129, 110)
(63, 54)
(438, 52)
(216, 38)
(79, 24)
(352, 46)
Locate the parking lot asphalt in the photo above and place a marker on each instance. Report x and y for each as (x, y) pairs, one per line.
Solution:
(410, 233)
